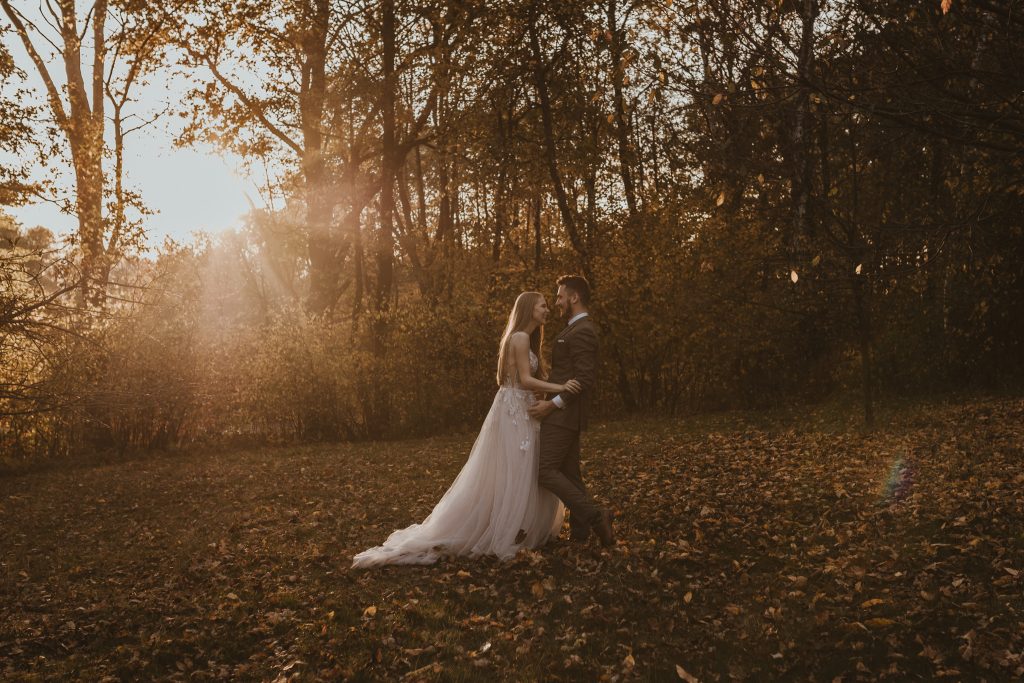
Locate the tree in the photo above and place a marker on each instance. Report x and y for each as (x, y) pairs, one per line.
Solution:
(15, 132)
(78, 109)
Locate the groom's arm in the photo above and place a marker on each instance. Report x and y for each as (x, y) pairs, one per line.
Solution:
(583, 349)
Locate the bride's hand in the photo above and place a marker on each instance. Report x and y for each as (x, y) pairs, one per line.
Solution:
(573, 387)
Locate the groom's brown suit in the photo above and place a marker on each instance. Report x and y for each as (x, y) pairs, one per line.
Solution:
(574, 357)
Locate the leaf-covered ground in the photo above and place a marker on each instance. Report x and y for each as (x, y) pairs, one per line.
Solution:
(751, 547)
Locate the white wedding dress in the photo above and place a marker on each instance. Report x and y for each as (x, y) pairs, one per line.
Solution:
(494, 506)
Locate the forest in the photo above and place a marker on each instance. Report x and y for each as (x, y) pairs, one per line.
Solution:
(774, 201)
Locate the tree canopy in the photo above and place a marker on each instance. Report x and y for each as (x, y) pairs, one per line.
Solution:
(771, 200)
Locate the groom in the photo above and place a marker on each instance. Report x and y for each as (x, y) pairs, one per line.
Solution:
(563, 417)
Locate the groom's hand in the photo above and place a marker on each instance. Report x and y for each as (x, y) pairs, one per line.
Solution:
(541, 409)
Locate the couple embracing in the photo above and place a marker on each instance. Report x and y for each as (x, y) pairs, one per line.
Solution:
(524, 468)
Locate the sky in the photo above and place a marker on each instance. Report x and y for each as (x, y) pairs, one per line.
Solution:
(190, 189)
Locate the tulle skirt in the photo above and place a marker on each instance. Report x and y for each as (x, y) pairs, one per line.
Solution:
(494, 506)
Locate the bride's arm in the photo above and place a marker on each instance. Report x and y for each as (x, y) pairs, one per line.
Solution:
(520, 345)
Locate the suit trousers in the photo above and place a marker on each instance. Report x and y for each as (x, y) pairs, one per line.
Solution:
(560, 474)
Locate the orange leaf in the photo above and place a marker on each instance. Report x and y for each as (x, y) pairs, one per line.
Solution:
(685, 675)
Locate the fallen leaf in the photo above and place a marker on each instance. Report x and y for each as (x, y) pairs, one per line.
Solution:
(685, 675)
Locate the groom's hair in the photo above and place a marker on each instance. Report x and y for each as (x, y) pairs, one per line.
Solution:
(578, 284)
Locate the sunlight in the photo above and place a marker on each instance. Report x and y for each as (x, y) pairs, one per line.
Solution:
(191, 190)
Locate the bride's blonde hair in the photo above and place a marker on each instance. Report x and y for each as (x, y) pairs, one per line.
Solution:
(518, 319)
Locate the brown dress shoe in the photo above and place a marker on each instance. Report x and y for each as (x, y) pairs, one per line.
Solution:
(603, 529)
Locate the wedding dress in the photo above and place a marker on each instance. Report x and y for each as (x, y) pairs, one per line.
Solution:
(494, 506)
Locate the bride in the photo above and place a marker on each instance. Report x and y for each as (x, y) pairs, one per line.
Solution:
(494, 506)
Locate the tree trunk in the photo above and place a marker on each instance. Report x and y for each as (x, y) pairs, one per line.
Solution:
(499, 220)
(87, 157)
(862, 315)
(445, 223)
(322, 249)
(621, 121)
(385, 238)
(551, 151)
(801, 179)
(354, 224)
(386, 228)
(865, 344)
(501, 192)
(84, 130)
(322, 240)
(538, 245)
(411, 238)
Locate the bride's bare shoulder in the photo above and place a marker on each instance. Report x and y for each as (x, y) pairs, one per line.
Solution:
(519, 341)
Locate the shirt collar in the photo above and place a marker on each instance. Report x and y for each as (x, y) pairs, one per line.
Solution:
(576, 317)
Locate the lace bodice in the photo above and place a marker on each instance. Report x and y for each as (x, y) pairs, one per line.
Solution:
(516, 399)
(512, 376)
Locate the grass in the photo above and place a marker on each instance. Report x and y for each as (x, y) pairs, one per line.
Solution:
(753, 546)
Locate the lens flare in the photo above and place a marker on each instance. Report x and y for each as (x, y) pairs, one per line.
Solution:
(898, 481)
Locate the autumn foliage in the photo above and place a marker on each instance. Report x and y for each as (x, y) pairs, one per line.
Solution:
(769, 210)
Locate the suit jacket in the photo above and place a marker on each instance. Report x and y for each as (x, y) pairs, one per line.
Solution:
(574, 356)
